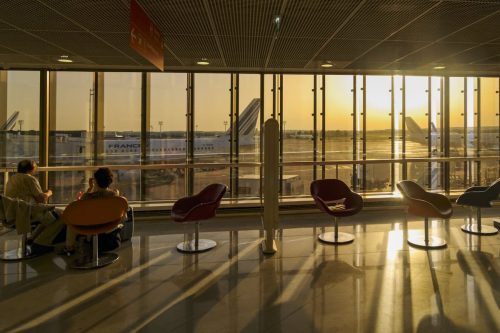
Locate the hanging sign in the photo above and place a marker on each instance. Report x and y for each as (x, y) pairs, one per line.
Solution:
(145, 37)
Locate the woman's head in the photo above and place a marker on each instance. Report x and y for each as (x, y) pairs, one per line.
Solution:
(103, 177)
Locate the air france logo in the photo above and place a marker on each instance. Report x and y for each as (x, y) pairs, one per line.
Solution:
(125, 146)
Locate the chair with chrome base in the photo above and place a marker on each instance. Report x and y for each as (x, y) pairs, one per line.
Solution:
(335, 198)
(427, 205)
(479, 197)
(92, 217)
(23, 251)
(201, 206)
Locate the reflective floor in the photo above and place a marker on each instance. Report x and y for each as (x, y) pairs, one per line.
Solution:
(376, 284)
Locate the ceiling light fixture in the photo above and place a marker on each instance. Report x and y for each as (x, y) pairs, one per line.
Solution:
(327, 65)
(439, 67)
(203, 62)
(65, 59)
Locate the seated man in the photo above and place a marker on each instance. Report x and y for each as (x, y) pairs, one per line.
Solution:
(23, 185)
(99, 185)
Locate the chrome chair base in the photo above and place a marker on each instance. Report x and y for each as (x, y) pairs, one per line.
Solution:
(432, 242)
(103, 260)
(18, 254)
(474, 229)
(190, 246)
(342, 238)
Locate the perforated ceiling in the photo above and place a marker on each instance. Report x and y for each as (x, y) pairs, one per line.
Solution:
(366, 36)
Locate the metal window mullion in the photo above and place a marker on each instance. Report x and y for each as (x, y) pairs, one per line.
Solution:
(231, 132)
(323, 128)
(466, 175)
(393, 131)
(190, 114)
(43, 141)
(364, 132)
(281, 116)
(315, 127)
(441, 128)
(354, 134)
(261, 130)
(235, 137)
(498, 127)
(403, 127)
(429, 130)
(478, 131)
(145, 135)
(446, 135)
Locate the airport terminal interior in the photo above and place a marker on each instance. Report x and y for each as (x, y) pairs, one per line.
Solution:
(298, 165)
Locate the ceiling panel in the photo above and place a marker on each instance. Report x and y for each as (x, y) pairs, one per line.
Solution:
(32, 15)
(445, 19)
(345, 49)
(380, 19)
(245, 51)
(94, 15)
(356, 35)
(435, 52)
(23, 42)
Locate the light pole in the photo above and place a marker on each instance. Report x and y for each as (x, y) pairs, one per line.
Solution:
(225, 125)
(20, 122)
(160, 123)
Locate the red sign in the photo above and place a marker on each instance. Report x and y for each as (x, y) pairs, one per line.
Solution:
(145, 37)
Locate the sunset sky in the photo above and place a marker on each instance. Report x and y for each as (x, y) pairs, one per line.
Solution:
(212, 100)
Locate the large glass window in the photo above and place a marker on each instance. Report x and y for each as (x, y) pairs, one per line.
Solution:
(122, 129)
(212, 101)
(298, 108)
(417, 139)
(339, 125)
(489, 135)
(22, 119)
(457, 147)
(71, 142)
(378, 132)
(167, 135)
(248, 133)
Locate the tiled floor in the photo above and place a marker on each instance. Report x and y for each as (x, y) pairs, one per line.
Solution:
(376, 284)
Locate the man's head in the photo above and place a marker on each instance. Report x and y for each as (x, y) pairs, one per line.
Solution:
(103, 177)
(26, 166)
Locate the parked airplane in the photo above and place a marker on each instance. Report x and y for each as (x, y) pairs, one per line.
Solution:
(118, 149)
(417, 134)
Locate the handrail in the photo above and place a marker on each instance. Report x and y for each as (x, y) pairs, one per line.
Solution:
(258, 164)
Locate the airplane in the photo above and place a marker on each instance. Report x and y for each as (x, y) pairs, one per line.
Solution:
(419, 135)
(71, 147)
(10, 123)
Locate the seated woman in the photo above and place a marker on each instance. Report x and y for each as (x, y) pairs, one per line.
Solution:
(98, 188)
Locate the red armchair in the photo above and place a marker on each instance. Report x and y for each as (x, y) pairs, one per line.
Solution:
(425, 204)
(335, 198)
(201, 206)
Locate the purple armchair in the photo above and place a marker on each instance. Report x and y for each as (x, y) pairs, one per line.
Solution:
(335, 198)
(479, 197)
(201, 206)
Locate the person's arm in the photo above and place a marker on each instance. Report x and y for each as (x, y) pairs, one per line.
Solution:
(37, 193)
(91, 185)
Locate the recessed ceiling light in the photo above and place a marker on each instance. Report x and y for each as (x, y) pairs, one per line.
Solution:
(65, 59)
(439, 67)
(327, 65)
(203, 62)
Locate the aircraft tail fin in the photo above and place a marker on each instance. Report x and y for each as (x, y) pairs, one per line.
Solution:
(10, 123)
(415, 132)
(248, 118)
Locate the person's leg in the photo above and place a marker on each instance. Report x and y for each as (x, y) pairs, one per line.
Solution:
(49, 232)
